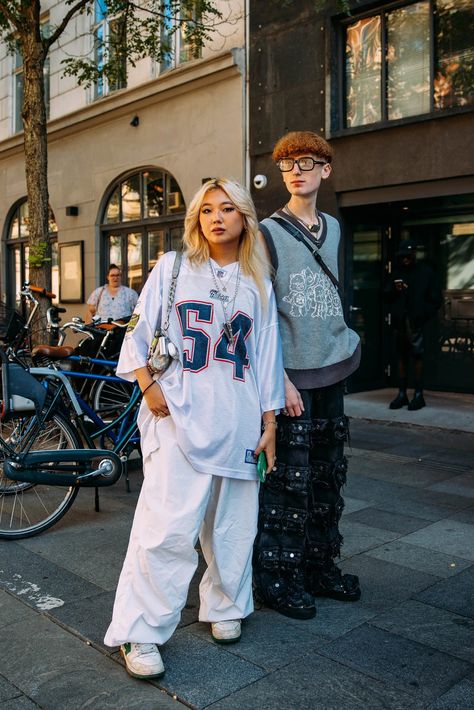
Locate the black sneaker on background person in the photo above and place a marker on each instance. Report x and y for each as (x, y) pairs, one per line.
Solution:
(418, 402)
(400, 401)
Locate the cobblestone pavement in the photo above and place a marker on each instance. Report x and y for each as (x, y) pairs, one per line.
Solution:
(408, 643)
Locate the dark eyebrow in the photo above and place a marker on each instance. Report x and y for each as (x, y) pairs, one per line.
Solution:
(226, 202)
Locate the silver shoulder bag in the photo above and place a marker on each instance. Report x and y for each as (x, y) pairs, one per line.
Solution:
(162, 351)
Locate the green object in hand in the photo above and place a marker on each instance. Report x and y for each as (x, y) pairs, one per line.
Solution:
(262, 466)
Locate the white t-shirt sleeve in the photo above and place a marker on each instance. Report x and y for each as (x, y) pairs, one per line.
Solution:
(270, 373)
(140, 331)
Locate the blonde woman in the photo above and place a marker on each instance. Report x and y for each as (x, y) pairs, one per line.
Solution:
(202, 424)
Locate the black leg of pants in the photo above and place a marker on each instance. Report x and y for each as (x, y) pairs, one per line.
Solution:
(300, 503)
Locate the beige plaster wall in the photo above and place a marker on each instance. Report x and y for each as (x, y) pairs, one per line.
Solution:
(194, 134)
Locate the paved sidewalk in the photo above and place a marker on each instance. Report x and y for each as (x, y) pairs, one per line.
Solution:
(409, 534)
(444, 410)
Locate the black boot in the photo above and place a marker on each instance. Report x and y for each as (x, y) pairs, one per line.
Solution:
(418, 402)
(335, 585)
(279, 551)
(400, 401)
(285, 595)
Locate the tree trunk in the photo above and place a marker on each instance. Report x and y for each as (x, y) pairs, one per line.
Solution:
(36, 155)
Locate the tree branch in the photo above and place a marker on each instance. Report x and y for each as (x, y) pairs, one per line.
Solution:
(9, 15)
(64, 22)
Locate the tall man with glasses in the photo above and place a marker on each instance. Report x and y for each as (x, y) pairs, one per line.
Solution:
(300, 504)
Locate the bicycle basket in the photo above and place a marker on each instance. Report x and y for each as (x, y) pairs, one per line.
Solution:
(11, 323)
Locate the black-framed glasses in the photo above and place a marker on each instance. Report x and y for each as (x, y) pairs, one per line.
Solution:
(306, 163)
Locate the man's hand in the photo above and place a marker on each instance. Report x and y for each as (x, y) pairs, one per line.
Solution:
(293, 402)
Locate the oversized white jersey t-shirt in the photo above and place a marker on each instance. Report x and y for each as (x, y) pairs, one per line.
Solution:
(215, 392)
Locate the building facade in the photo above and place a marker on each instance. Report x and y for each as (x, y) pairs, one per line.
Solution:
(124, 160)
(391, 85)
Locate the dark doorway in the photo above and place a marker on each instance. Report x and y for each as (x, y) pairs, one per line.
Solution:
(443, 229)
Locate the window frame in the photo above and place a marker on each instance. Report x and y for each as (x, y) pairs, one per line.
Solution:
(177, 46)
(145, 225)
(105, 24)
(339, 104)
(10, 244)
(18, 71)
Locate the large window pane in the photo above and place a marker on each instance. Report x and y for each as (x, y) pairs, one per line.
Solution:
(134, 260)
(131, 198)
(174, 198)
(408, 59)
(112, 211)
(156, 246)
(16, 275)
(153, 185)
(115, 249)
(363, 72)
(460, 244)
(55, 270)
(176, 234)
(24, 221)
(99, 59)
(117, 34)
(27, 263)
(18, 101)
(454, 75)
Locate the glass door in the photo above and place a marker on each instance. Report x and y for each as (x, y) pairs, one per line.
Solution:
(446, 243)
(366, 312)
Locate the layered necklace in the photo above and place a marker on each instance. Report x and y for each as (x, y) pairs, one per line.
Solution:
(313, 228)
(221, 289)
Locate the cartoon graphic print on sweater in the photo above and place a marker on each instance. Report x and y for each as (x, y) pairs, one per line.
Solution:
(312, 292)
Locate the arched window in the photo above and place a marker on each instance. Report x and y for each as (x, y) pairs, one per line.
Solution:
(17, 243)
(142, 218)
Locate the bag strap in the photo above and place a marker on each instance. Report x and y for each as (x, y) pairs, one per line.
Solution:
(270, 246)
(98, 300)
(297, 234)
(171, 293)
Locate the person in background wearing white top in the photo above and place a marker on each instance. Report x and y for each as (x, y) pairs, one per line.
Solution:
(112, 300)
(202, 424)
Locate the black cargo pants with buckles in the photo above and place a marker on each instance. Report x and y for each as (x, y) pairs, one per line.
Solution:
(300, 503)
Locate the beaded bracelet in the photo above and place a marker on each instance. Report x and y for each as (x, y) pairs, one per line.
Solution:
(148, 386)
(272, 422)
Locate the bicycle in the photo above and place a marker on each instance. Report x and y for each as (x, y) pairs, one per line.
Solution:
(95, 354)
(15, 330)
(44, 426)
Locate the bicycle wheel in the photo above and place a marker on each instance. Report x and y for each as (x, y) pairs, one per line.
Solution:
(27, 509)
(109, 399)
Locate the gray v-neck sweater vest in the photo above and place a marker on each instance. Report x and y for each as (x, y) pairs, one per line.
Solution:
(319, 349)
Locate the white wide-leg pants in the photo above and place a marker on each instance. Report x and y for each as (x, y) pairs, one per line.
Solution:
(176, 505)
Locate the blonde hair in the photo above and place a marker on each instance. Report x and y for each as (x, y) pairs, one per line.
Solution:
(251, 258)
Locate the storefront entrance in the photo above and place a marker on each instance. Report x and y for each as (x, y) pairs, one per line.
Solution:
(443, 229)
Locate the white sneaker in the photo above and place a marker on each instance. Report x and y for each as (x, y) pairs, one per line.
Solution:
(143, 660)
(226, 631)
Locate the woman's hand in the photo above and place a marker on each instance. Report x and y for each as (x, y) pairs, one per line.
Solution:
(156, 401)
(267, 443)
(293, 402)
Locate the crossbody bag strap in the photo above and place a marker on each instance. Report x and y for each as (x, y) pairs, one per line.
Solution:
(295, 232)
(171, 292)
(100, 296)
(270, 246)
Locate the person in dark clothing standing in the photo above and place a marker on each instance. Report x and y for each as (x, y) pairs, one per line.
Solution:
(298, 535)
(414, 297)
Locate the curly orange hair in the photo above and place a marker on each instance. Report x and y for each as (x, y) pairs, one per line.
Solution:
(297, 142)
